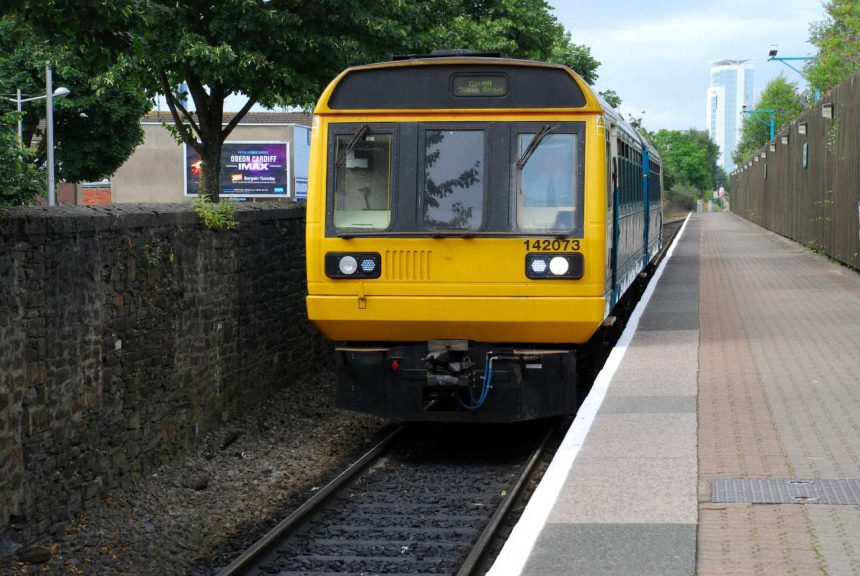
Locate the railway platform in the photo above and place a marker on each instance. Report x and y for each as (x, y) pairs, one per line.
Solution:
(723, 434)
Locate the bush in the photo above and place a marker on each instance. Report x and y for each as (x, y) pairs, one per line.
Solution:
(680, 198)
(220, 216)
(21, 181)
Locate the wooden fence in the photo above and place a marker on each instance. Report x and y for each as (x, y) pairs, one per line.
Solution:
(805, 184)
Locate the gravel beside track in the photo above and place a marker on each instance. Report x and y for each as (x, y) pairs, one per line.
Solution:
(192, 516)
(417, 510)
(219, 499)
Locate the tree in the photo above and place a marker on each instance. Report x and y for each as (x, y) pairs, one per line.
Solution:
(516, 28)
(689, 159)
(782, 97)
(612, 98)
(638, 124)
(96, 128)
(837, 38)
(283, 52)
(20, 179)
(712, 152)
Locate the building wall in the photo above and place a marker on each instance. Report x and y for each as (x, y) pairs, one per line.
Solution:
(155, 171)
(731, 84)
(716, 108)
(130, 331)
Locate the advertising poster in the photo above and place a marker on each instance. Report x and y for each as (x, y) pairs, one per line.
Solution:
(301, 188)
(248, 170)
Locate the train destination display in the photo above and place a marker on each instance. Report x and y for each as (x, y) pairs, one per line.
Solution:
(479, 85)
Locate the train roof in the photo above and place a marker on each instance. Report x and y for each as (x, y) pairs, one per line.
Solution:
(457, 83)
(615, 117)
(446, 82)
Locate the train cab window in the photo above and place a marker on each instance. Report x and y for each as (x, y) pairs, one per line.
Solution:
(548, 191)
(362, 180)
(452, 196)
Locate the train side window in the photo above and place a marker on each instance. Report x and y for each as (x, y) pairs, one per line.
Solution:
(548, 195)
(362, 181)
(612, 184)
(452, 197)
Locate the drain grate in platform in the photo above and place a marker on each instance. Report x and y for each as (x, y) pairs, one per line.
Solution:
(785, 491)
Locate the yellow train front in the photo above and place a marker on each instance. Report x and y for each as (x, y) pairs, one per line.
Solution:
(470, 220)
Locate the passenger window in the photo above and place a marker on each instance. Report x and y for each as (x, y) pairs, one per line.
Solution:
(453, 191)
(362, 176)
(548, 198)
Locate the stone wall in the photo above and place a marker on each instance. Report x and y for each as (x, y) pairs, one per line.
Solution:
(128, 332)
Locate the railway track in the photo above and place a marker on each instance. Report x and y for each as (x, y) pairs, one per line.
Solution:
(427, 500)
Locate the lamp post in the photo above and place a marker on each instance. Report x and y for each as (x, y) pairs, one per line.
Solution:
(771, 55)
(49, 96)
(771, 123)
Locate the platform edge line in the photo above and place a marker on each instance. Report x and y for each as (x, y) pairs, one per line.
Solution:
(517, 549)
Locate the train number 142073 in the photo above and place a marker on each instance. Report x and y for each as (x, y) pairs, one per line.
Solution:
(552, 245)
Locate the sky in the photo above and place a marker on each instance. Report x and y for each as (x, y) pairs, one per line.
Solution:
(658, 60)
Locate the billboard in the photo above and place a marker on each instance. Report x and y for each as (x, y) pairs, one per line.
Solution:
(301, 159)
(301, 188)
(248, 170)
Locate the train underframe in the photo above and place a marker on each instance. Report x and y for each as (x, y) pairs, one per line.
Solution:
(457, 380)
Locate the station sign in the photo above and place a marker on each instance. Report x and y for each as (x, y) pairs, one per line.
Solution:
(301, 188)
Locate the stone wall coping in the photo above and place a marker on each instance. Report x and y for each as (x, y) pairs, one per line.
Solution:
(25, 221)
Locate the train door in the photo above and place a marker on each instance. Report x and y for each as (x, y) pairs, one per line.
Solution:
(613, 197)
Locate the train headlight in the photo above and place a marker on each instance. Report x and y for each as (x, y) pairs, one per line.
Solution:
(538, 265)
(559, 265)
(368, 265)
(547, 266)
(353, 264)
(347, 265)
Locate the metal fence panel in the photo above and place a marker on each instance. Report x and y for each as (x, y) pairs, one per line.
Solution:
(816, 202)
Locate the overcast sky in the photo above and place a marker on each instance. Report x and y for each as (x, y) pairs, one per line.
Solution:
(658, 59)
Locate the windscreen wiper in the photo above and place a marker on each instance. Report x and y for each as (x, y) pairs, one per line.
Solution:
(359, 136)
(546, 129)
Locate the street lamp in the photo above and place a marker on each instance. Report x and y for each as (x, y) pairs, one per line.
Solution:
(770, 123)
(771, 55)
(58, 93)
(49, 123)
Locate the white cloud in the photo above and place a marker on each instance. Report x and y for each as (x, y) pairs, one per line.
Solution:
(659, 60)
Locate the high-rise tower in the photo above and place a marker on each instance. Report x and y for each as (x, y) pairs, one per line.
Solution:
(730, 90)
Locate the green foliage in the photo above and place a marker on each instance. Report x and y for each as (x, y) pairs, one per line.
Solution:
(680, 198)
(689, 160)
(612, 98)
(516, 28)
(96, 127)
(21, 181)
(283, 52)
(779, 95)
(220, 216)
(837, 38)
(638, 123)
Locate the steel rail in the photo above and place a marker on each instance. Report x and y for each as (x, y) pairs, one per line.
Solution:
(481, 546)
(252, 554)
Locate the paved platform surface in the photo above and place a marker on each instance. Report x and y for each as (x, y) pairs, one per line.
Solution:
(745, 365)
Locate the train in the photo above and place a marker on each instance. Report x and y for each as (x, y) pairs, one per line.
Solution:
(471, 221)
